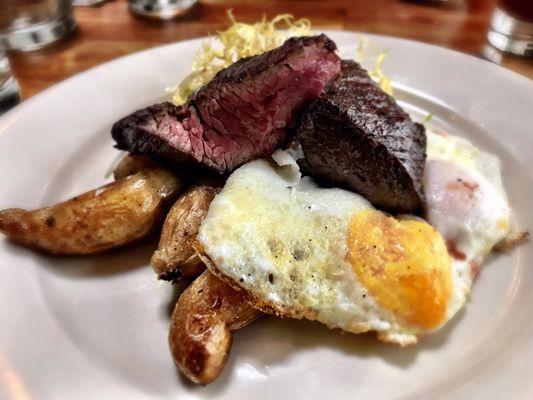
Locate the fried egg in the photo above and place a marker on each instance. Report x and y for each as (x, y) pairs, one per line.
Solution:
(466, 201)
(327, 254)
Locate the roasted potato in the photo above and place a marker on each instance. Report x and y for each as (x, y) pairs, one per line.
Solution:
(131, 164)
(113, 215)
(175, 258)
(200, 331)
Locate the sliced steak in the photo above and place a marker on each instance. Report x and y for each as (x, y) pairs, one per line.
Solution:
(242, 114)
(357, 136)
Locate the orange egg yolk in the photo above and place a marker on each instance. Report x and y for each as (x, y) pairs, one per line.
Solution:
(404, 264)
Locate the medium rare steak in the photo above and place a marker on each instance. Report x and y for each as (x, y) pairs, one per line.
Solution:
(242, 114)
(357, 136)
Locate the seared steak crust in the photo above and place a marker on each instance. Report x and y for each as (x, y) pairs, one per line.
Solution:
(357, 136)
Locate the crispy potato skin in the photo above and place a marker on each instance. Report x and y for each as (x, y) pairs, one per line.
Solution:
(121, 212)
(200, 331)
(131, 164)
(175, 257)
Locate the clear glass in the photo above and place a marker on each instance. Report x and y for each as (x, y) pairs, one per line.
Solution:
(32, 24)
(9, 89)
(511, 28)
(161, 9)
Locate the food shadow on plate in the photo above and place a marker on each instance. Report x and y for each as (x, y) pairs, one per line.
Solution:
(282, 339)
(177, 290)
(118, 261)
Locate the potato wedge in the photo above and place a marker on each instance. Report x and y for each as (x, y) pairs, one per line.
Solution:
(121, 212)
(201, 324)
(175, 257)
(131, 164)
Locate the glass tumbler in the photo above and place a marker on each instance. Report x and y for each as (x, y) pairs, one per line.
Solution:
(160, 9)
(9, 89)
(511, 28)
(31, 24)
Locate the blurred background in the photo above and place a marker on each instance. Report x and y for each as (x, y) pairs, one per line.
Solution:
(47, 41)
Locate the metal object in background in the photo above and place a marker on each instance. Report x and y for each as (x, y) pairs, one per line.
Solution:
(87, 3)
(160, 9)
(31, 24)
(9, 88)
(511, 28)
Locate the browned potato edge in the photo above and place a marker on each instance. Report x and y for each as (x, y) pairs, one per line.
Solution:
(113, 215)
(175, 258)
(201, 324)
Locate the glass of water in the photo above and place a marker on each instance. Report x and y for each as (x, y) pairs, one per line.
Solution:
(160, 9)
(9, 89)
(31, 24)
(511, 27)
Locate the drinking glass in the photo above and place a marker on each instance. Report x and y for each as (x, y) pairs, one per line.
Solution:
(160, 9)
(9, 89)
(511, 27)
(32, 24)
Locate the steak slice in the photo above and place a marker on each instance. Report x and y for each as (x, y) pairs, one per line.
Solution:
(244, 113)
(357, 136)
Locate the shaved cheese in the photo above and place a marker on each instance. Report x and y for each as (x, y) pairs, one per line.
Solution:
(376, 73)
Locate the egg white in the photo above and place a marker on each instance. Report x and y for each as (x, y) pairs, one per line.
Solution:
(466, 201)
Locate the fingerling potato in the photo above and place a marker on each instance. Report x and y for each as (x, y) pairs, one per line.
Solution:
(131, 164)
(118, 213)
(175, 257)
(201, 324)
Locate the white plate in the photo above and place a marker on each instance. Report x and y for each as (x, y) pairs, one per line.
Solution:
(74, 328)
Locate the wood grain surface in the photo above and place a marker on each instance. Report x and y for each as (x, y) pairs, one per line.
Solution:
(110, 30)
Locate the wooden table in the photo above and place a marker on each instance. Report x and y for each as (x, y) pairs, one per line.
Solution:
(111, 31)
